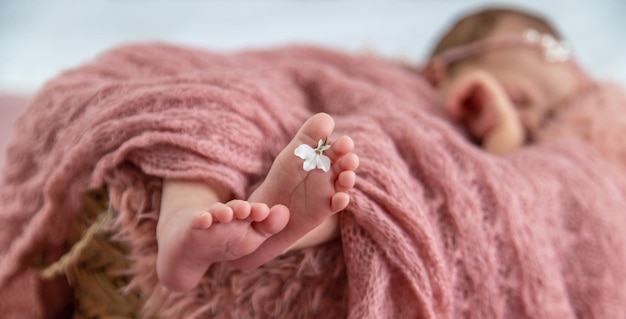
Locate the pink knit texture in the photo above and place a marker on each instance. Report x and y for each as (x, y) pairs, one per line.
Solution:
(596, 115)
(436, 227)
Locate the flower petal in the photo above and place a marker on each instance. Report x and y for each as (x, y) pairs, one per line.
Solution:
(309, 163)
(319, 144)
(323, 162)
(304, 151)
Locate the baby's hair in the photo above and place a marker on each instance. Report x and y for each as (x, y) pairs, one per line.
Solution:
(480, 24)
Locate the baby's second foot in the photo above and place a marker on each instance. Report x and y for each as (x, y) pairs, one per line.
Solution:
(224, 232)
(311, 196)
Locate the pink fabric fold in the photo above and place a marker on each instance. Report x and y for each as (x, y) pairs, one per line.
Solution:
(436, 227)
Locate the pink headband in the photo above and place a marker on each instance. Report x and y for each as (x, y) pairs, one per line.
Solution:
(553, 49)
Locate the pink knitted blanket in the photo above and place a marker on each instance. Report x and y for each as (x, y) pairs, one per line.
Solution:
(436, 228)
(596, 115)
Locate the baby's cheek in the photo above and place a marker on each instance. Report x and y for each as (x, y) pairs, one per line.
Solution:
(560, 83)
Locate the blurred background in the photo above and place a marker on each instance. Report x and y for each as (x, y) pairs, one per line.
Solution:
(40, 38)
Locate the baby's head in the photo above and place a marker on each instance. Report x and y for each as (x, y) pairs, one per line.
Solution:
(500, 67)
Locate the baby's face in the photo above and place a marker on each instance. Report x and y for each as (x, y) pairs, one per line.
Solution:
(533, 84)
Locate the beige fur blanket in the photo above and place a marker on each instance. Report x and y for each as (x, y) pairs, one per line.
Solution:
(436, 227)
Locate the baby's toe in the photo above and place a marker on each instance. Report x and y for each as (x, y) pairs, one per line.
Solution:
(275, 221)
(339, 202)
(316, 127)
(259, 212)
(203, 221)
(349, 162)
(345, 181)
(221, 212)
(340, 147)
(241, 209)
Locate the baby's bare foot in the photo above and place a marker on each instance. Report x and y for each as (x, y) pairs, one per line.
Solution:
(224, 232)
(311, 196)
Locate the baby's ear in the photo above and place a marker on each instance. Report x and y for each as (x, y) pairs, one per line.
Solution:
(434, 71)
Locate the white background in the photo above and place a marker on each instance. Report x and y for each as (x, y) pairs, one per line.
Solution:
(40, 38)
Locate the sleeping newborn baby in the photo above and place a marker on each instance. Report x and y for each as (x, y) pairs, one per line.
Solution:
(502, 73)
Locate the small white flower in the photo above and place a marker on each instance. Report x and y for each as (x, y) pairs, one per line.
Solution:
(314, 157)
(554, 50)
